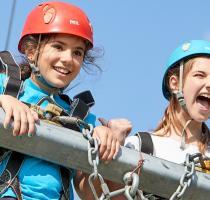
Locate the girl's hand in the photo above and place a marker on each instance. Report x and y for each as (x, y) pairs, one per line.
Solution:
(111, 137)
(24, 118)
(120, 127)
(108, 144)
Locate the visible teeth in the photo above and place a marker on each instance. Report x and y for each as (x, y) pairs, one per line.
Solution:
(62, 70)
(205, 95)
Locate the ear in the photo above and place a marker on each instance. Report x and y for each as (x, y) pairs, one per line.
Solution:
(174, 84)
(31, 55)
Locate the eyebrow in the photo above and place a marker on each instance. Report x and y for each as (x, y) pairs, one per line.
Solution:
(198, 71)
(58, 41)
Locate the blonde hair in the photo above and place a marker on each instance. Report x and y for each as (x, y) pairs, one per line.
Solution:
(170, 119)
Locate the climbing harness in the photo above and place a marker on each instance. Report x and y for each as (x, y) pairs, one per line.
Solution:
(52, 113)
(9, 177)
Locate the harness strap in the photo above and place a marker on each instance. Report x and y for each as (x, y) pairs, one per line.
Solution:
(13, 72)
(9, 176)
(80, 104)
(79, 109)
(65, 176)
(145, 142)
(86, 97)
(16, 188)
(147, 146)
(13, 87)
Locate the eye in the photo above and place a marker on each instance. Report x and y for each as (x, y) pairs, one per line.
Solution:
(57, 46)
(79, 53)
(199, 75)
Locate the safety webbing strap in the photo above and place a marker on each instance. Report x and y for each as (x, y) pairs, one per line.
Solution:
(16, 188)
(65, 176)
(80, 104)
(79, 109)
(13, 72)
(146, 142)
(9, 176)
(86, 97)
(147, 146)
(13, 87)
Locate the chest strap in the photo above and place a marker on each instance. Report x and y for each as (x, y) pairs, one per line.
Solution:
(14, 83)
(65, 176)
(9, 176)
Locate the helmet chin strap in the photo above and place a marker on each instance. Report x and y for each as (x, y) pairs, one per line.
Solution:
(180, 97)
(34, 66)
(35, 70)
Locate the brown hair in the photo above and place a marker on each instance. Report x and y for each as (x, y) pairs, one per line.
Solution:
(170, 119)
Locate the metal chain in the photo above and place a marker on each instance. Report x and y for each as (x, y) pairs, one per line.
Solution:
(186, 178)
(93, 159)
(130, 191)
(131, 179)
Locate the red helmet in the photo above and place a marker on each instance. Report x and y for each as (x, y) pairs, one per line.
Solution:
(57, 17)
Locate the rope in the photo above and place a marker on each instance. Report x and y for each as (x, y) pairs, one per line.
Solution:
(183, 140)
(10, 24)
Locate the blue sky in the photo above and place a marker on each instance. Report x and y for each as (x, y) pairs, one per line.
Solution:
(137, 37)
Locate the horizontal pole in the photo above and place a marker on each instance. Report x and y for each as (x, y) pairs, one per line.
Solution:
(69, 148)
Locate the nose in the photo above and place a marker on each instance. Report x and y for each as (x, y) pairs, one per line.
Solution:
(66, 57)
(208, 82)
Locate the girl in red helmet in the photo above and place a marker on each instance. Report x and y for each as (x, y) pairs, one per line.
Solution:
(57, 38)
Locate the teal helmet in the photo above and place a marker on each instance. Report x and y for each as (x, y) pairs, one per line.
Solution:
(187, 50)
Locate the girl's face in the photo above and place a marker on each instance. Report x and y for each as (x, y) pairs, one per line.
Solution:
(60, 59)
(196, 89)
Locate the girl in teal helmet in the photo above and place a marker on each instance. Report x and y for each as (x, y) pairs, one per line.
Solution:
(186, 84)
(182, 130)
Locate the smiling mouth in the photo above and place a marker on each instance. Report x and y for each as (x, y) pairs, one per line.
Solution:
(62, 70)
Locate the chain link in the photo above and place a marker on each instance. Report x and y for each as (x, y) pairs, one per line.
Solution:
(186, 178)
(132, 192)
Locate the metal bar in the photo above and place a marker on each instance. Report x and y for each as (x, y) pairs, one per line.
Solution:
(69, 148)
